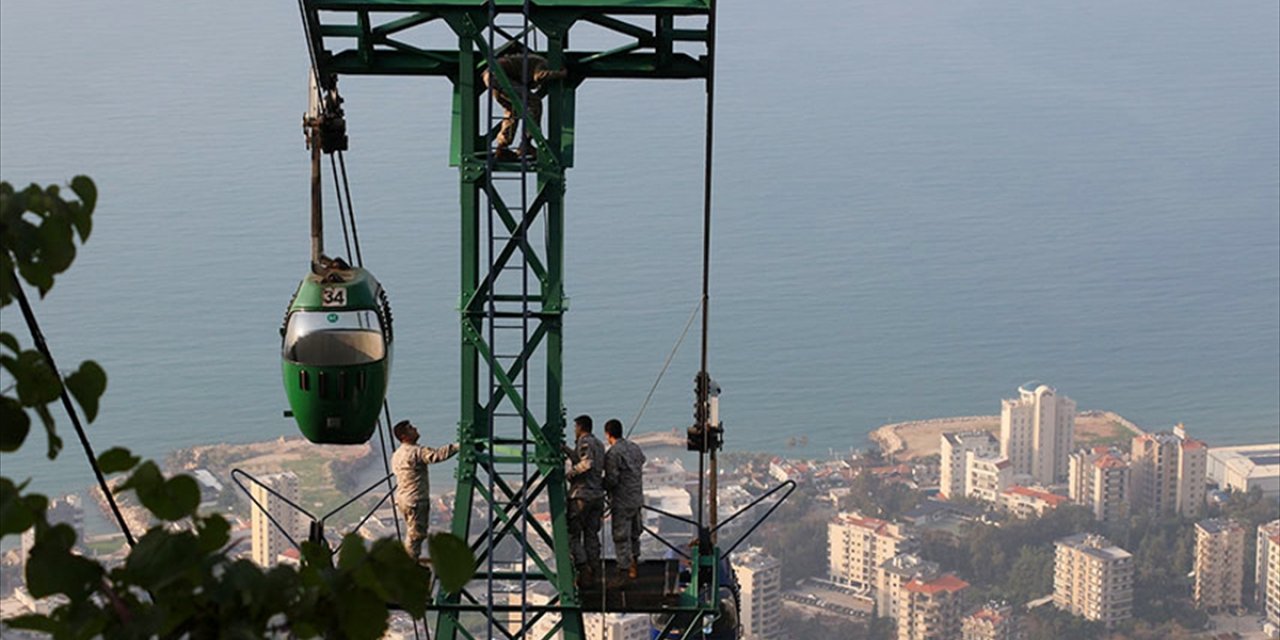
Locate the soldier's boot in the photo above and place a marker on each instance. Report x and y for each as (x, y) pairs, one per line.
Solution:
(505, 154)
(633, 571)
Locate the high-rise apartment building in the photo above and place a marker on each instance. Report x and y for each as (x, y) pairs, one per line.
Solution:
(1099, 478)
(1272, 588)
(1093, 578)
(1262, 570)
(955, 447)
(760, 584)
(1168, 474)
(987, 476)
(1037, 430)
(931, 609)
(1219, 564)
(858, 545)
(268, 542)
(994, 621)
(894, 573)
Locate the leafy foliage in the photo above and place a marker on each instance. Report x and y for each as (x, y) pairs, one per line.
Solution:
(180, 579)
(38, 231)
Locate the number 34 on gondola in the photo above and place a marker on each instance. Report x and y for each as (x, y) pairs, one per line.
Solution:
(334, 297)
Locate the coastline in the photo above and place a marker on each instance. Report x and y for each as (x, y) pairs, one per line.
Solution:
(919, 438)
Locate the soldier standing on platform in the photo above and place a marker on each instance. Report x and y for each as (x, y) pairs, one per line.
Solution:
(586, 498)
(624, 483)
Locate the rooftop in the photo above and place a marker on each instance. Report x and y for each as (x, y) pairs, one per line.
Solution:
(1110, 461)
(1050, 498)
(1094, 545)
(945, 582)
(1218, 525)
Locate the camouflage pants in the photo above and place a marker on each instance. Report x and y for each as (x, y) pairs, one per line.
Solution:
(507, 132)
(625, 526)
(417, 518)
(584, 531)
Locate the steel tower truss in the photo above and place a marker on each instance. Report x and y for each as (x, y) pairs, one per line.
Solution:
(512, 268)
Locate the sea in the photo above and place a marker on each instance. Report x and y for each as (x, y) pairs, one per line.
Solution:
(918, 206)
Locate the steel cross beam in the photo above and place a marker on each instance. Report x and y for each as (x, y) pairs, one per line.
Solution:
(649, 39)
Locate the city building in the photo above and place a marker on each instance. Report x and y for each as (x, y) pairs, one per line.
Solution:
(955, 448)
(1219, 564)
(858, 545)
(1026, 502)
(1037, 431)
(268, 541)
(894, 573)
(994, 621)
(1272, 588)
(986, 477)
(1168, 473)
(1099, 478)
(1262, 570)
(1246, 468)
(1093, 578)
(931, 609)
(760, 583)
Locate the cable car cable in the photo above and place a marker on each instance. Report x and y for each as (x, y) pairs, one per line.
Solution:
(37, 336)
(687, 325)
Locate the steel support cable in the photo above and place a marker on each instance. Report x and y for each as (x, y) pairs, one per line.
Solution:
(687, 325)
(342, 216)
(37, 336)
(704, 388)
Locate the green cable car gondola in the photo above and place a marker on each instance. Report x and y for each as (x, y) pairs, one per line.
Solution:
(336, 353)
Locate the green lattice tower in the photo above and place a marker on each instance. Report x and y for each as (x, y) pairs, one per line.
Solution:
(655, 39)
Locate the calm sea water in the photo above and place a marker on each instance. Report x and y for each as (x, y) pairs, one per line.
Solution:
(919, 205)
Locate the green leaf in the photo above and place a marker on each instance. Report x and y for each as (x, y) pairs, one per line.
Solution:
(55, 443)
(162, 557)
(171, 500)
(88, 194)
(37, 384)
(405, 582)
(363, 616)
(33, 622)
(452, 560)
(117, 459)
(14, 424)
(7, 339)
(87, 385)
(214, 533)
(52, 567)
(18, 512)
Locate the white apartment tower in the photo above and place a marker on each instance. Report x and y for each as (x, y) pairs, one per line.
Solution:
(1099, 479)
(1219, 564)
(268, 541)
(858, 545)
(1168, 474)
(760, 581)
(987, 476)
(1093, 578)
(955, 447)
(1261, 569)
(1037, 430)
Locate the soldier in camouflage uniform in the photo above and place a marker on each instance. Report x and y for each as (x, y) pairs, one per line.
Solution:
(531, 87)
(586, 498)
(413, 484)
(624, 483)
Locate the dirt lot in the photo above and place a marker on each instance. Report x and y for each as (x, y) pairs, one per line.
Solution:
(907, 440)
